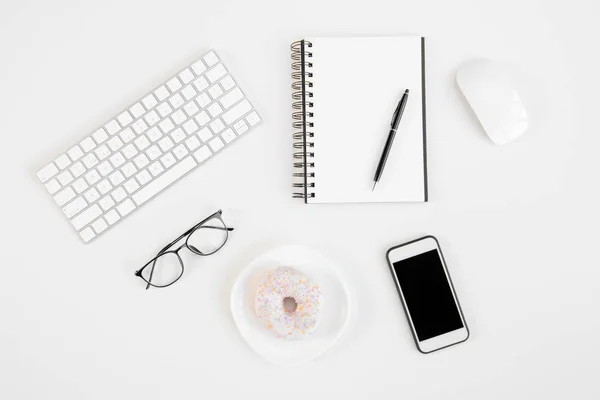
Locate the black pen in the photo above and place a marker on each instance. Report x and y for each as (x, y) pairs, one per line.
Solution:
(388, 145)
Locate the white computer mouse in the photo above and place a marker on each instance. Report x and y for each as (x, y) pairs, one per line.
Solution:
(492, 95)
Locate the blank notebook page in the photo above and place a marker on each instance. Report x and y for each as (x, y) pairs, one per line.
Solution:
(357, 85)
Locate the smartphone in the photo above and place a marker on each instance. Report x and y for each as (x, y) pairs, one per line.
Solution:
(428, 297)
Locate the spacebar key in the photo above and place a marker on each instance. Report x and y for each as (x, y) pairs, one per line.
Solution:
(156, 186)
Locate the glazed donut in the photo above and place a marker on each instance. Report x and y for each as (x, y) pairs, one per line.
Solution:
(288, 303)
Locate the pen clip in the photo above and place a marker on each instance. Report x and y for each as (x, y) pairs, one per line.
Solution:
(395, 114)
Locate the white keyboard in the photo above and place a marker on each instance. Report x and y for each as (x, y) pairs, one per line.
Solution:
(148, 146)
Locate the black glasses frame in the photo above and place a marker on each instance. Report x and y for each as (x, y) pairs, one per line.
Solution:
(186, 245)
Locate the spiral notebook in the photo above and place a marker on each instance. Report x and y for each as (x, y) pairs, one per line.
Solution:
(345, 93)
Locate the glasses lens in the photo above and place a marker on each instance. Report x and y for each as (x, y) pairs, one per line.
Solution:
(209, 237)
(165, 270)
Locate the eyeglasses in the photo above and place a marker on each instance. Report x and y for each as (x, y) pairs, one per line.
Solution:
(205, 238)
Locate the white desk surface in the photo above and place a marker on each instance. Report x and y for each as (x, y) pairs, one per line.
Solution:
(518, 225)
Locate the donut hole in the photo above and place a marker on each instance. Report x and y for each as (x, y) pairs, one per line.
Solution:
(289, 304)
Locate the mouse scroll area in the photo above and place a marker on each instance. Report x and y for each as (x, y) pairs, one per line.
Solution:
(493, 97)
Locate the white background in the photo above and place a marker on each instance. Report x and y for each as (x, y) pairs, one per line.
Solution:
(518, 224)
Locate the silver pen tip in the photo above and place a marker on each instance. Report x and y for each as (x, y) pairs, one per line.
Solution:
(374, 187)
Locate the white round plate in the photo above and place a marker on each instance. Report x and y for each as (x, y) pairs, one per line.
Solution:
(335, 311)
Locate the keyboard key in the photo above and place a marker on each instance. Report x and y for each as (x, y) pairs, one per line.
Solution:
(152, 118)
(216, 73)
(164, 180)
(137, 110)
(105, 168)
(149, 101)
(216, 144)
(119, 194)
(92, 177)
(131, 185)
(191, 108)
(190, 127)
(99, 226)
(174, 84)
(164, 109)
(178, 135)
(168, 160)
(74, 207)
(203, 100)
(202, 118)
(90, 160)
(116, 178)
(139, 126)
(53, 186)
(214, 109)
(240, 127)
(198, 67)
(62, 161)
(166, 126)
(112, 217)
(65, 178)
(215, 91)
(205, 134)
(202, 154)
(117, 160)
(104, 186)
(154, 134)
(127, 135)
(211, 59)
(236, 111)
(77, 169)
(87, 216)
(176, 100)
(153, 152)
(142, 142)
(217, 125)
(100, 135)
(231, 98)
(47, 172)
(180, 151)
(253, 118)
(87, 234)
(141, 161)
(87, 144)
(228, 135)
(129, 169)
(227, 82)
(75, 153)
(129, 151)
(64, 197)
(201, 84)
(165, 143)
(126, 207)
(178, 117)
(106, 203)
(156, 168)
(143, 177)
(102, 152)
(115, 143)
(125, 118)
(186, 76)
(189, 92)
(192, 143)
(91, 195)
(112, 127)
(161, 93)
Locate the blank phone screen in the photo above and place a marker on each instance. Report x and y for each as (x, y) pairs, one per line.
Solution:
(428, 295)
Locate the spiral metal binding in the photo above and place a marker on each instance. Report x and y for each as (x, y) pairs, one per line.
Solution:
(302, 94)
